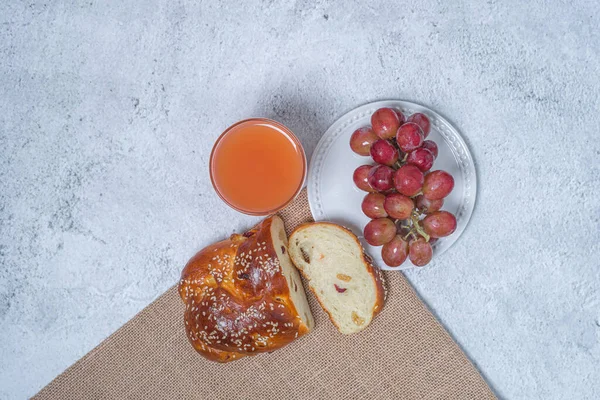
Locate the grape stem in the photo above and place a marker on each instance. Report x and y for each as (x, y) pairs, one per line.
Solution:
(415, 227)
(400, 163)
(415, 222)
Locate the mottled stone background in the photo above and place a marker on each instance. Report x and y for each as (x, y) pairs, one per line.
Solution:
(107, 115)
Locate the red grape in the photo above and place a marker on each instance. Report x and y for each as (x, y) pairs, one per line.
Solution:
(395, 252)
(408, 180)
(383, 152)
(409, 137)
(401, 116)
(361, 178)
(372, 205)
(437, 185)
(428, 206)
(420, 252)
(379, 231)
(398, 206)
(431, 146)
(422, 158)
(380, 178)
(439, 224)
(422, 121)
(361, 140)
(385, 123)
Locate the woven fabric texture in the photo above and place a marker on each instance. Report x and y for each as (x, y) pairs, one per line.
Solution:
(404, 354)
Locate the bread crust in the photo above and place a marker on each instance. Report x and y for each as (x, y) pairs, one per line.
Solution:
(376, 274)
(237, 299)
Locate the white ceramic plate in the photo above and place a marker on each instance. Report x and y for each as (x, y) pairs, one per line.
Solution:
(333, 196)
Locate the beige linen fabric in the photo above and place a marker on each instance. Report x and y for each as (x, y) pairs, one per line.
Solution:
(404, 354)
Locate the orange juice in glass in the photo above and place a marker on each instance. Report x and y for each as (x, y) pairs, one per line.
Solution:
(257, 166)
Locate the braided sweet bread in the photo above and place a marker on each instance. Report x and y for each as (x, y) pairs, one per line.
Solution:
(243, 295)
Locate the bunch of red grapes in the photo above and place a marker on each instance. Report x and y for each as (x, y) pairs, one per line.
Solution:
(404, 198)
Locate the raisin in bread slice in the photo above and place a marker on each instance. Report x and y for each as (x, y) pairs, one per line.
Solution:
(339, 273)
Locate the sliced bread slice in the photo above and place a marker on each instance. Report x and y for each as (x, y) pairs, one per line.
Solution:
(339, 273)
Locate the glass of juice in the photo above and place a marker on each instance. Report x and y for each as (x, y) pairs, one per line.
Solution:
(257, 166)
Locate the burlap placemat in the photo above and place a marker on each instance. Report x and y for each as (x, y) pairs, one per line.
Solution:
(404, 354)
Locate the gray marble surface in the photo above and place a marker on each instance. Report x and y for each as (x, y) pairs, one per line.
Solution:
(107, 115)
